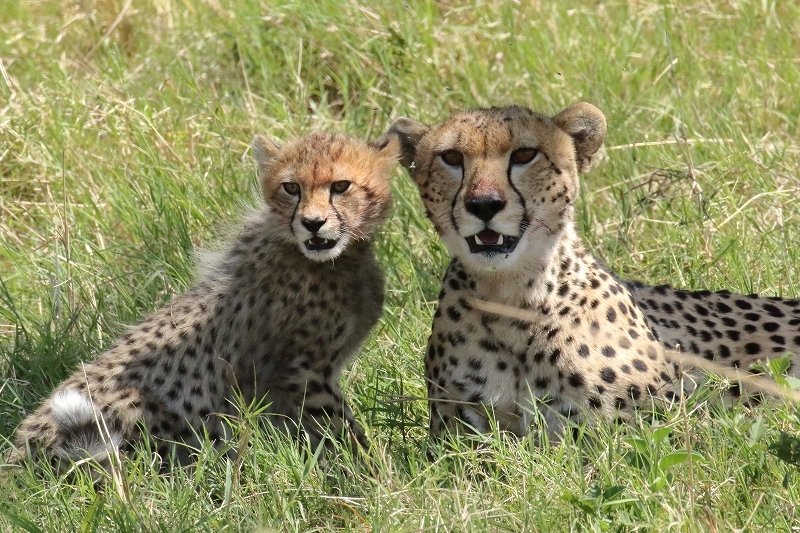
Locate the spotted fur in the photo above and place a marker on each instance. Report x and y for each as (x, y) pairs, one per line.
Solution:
(274, 318)
(733, 329)
(499, 186)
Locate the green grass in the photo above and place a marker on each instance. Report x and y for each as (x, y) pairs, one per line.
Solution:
(123, 150)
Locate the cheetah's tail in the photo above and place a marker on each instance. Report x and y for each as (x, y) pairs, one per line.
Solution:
(83, 432)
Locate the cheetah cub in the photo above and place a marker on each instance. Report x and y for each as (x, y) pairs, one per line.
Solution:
(499, 186)
(275, 317)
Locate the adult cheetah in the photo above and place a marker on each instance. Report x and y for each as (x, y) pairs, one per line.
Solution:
(274, 318)
(499, 186)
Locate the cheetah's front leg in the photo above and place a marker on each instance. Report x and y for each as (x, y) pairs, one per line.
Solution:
(450, 415)
(324, 411)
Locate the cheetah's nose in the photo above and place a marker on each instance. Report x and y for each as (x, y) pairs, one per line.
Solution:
(313, 224)
(485, 207)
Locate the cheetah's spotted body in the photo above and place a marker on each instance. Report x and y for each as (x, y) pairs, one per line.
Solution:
(275, 317)
(499, 186)
(732, 329)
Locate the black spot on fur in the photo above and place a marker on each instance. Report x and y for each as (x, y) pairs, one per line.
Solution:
(576, 380)
(652, 353)
(723, 308)
(752, 348)
(608, 375)
(454, 314)
(773, 311)
(488, 345)
(778, 339)
(634, 392)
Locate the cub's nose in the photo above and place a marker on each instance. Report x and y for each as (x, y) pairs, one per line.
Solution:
(313, 224)
(485, 207)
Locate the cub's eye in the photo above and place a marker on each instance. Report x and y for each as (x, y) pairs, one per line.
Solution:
(523, 155)
(291, 188)
(454, 158)
(340, 186)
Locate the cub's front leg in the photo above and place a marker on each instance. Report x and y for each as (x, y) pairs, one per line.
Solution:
(324, 412)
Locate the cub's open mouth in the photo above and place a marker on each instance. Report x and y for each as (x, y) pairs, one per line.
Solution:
(318, 243)
(490, 242)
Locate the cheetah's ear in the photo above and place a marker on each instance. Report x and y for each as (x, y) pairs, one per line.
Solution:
(587, 126)
(408, 132)
(264, 151)
(388, 149)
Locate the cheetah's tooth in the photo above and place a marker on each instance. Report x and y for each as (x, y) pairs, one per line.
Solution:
(499, 240)
(478, 240)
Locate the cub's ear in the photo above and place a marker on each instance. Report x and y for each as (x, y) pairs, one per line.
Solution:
(264, 151)
(587, 126)
(387, 148)
(408, 132)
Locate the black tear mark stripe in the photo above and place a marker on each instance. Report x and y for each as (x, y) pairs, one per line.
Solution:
(525, 217)
(294, 213)
(455, 198)
(338, 216)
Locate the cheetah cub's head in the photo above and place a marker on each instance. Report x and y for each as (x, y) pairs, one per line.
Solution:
(499, 184)
(326, 190)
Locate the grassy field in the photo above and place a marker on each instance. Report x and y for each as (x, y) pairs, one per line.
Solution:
(124, 134)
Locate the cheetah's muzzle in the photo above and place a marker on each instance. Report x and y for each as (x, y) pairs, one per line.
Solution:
(490, 242)
(318, 243)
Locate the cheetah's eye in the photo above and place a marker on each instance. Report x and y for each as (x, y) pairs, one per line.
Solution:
(454, 158)
(291, 188)
(340, 186)
(523, 156)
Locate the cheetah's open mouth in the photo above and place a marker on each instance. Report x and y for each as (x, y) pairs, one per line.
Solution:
(490, 242)
(318, 243)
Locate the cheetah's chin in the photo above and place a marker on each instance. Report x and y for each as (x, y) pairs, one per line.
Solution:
(490, 242)
(318, 243)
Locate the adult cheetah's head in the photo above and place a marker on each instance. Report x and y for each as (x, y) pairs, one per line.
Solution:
(326, 190)
(499, 184)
